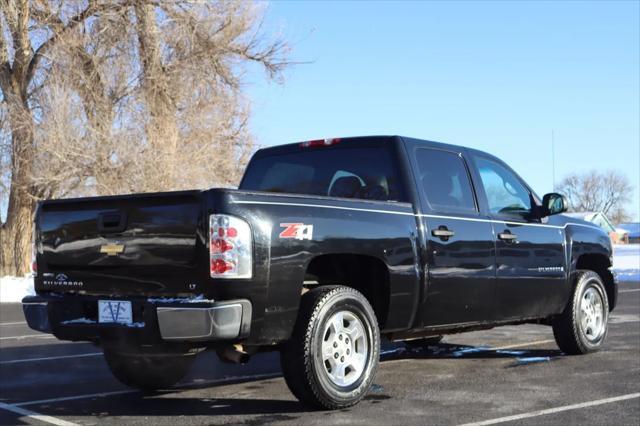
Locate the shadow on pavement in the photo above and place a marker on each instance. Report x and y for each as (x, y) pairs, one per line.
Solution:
(448, 351)
(182, 409)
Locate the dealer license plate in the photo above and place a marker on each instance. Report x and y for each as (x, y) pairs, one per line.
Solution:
(114, 311)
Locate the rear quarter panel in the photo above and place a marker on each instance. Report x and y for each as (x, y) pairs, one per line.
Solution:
(384, 230)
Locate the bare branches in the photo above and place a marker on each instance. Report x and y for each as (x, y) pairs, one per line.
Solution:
(117, 96)
(5, 65)
(594, 191)
(59, 28)
(224, 36)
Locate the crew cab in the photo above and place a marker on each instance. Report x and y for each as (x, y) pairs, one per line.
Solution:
(327, 247)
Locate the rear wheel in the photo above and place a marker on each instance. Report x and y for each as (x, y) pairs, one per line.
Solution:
(148, 371)
(582, 327)
(332, 356)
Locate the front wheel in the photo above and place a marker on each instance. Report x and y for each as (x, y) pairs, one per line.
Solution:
(582, 327)
(148, 371)
(332, 356)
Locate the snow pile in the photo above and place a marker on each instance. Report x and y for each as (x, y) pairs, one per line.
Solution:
(626, 261)
(13, 289)
(84, 320)
(198, 299)
(78, 321)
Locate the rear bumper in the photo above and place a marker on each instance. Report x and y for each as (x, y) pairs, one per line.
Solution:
(226, 320)
(36, 314)
(72, 317)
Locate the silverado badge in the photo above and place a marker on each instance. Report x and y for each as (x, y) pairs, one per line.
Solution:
(112, 249)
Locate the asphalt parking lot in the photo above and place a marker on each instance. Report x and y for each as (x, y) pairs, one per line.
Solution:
(509, 375)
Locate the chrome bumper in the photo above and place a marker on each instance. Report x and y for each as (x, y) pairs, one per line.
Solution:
(221, 320)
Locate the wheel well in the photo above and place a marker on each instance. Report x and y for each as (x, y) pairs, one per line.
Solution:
(367, 274)
(600, 264)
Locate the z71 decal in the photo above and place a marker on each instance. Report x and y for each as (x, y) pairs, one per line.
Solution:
(299, 231)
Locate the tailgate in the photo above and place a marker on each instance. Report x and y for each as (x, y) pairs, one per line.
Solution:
(121, 237)
(151, 229)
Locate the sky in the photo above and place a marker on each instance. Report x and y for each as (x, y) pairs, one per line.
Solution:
(497, 76)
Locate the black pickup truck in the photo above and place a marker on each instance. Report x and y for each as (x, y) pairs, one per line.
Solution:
(327, 247)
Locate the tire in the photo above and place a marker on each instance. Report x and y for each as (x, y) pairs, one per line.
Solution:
(424, 342)
(323, 379)
(148, 371)
(582, 327)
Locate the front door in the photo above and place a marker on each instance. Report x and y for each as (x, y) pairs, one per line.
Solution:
(530, 259)
(460, 257)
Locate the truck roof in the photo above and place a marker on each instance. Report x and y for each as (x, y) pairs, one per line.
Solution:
(378, 140)
(366, 139)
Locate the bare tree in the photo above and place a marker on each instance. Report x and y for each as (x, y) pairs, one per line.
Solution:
(20, 63)
(118, 96)
(606, 192)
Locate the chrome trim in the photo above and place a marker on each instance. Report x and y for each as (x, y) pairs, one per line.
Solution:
(469, 219)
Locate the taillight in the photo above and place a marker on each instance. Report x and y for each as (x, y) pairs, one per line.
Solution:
(34, 264)
(229, 247)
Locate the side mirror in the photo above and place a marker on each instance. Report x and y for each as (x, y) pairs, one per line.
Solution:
(554, 203)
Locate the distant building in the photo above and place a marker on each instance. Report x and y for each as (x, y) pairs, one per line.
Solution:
(633, 228)
(617, 235)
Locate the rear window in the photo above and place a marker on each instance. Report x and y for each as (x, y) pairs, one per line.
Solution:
(365, 173)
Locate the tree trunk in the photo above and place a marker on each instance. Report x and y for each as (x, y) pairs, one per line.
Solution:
(15, 240)
(15, 234)
(100, 115)
(162, 128)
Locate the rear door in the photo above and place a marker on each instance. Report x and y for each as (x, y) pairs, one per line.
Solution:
(530, 259)
(460, 261)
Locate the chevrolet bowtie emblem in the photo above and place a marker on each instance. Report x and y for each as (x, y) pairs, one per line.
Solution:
(112, 249)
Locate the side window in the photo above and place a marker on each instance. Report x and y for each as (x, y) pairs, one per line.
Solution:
(444, 181)
(505, 193)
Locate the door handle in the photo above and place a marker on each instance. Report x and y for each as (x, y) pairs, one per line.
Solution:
(507, 236)
(112, 222)
(443, 233)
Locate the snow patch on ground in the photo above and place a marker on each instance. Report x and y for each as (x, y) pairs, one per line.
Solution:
(626, 261)
(532, 359)
(198, 299)
(13, 289)
(79, 321)
(84, 320)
